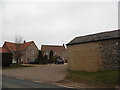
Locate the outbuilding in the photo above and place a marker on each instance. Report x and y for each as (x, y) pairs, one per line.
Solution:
(5, 57)
(94, 52)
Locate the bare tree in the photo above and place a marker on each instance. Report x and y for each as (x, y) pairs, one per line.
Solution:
(18, 39)
(17, 52)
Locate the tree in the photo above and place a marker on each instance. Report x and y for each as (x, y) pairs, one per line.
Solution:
(17, 52)
(40, 57)
(50, 57)
(18, 39)
(45, 59)
(51, 54)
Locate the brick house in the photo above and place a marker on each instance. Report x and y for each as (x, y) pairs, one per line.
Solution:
(29, 51)
(57, 50)
(94, 52)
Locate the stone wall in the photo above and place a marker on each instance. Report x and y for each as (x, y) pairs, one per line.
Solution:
(110, 52)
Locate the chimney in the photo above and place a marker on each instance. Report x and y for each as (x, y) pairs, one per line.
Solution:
(64, 45)
(24, 42)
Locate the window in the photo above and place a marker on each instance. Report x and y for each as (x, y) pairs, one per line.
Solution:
(61, 53)
(33, 52)
(55, 53)
(32, 58)
(47, 53)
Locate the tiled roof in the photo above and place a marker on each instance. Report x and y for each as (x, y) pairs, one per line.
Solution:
(3, 50)
(96, 37)
(24, 46)
(15, 46)
(46, 48)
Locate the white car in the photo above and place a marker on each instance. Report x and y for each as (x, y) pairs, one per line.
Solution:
(59, 61)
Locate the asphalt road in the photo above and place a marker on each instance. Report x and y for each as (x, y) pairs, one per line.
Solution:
(11, 82)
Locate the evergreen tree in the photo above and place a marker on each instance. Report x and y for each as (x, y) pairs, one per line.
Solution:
(40, 57)
(45, 59)
(50, 57)
(51, 54)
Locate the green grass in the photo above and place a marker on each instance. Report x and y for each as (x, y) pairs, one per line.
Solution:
(16, 66)
(97, 78)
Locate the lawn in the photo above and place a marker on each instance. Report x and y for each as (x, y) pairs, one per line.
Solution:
(105, 78)
(16, 66)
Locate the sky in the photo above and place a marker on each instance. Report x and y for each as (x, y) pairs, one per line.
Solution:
(54, 22)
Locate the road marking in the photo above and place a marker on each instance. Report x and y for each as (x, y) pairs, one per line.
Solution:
(37, 81)
(65, 86)
(21, 78)
(40, 82)
(35, 87)
(57, 85)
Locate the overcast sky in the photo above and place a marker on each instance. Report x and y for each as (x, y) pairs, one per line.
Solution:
(55, 22)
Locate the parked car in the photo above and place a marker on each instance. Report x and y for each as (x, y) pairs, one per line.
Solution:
(32, 62)
(59, 61)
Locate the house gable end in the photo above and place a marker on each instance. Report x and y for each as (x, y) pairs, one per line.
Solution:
(31, 44)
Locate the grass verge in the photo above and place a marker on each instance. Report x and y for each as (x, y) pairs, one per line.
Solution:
(16, 66)
(103, 78)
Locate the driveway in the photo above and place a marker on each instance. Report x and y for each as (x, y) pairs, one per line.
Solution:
(39, 73)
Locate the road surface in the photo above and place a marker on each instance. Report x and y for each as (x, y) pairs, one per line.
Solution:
(42, 73)
(11, 82)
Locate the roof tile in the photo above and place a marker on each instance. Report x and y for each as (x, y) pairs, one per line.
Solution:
(46, 48)
(15, 46)
(3, 50)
